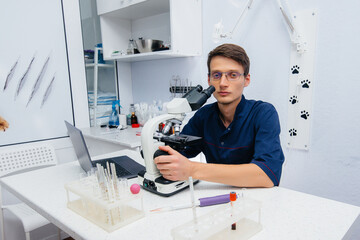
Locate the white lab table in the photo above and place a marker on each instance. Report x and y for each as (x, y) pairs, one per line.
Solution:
(104, 140)
(285, 214)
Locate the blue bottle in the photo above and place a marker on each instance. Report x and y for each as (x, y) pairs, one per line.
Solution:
(114, 117)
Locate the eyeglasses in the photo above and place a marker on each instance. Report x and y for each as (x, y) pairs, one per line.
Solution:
(230, 76)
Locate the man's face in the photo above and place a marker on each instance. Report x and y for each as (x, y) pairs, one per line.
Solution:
(226, 91)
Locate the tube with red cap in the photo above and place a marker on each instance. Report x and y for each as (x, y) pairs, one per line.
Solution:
(232, 200)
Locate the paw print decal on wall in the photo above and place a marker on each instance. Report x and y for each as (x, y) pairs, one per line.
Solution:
(293, 132)
(293, 99)
(304, 114)
(305, 83)
(295, 69)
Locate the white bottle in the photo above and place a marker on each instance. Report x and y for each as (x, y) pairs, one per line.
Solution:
(131, 47)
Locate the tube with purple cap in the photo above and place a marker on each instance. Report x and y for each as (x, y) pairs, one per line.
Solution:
(220, 199)
(202, 202)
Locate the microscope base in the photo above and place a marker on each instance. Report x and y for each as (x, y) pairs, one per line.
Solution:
(162, 186)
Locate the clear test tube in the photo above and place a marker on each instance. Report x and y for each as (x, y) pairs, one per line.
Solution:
(191, 185)
(82, 176)
(124, 185)
(92, 171)
(232, 200)
(96, 188)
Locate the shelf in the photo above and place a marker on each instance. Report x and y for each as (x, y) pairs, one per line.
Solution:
(165, 20)
(100, 65)
(148, 56)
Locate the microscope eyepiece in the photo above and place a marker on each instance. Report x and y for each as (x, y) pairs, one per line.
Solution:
(197, 96)
(209, 90)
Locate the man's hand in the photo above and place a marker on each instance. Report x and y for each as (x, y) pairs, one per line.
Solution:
(3, 124)
(173, 166)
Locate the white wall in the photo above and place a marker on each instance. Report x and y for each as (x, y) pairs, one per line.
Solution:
(330, 168)
(63, 147)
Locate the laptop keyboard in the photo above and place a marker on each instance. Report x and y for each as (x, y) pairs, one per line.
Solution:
(120, 171)
(125, 166)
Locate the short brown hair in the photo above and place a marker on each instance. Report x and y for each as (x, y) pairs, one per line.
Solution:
(233, 52)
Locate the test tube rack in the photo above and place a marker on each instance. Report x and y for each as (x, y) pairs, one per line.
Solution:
(217, 224)
(85, 198)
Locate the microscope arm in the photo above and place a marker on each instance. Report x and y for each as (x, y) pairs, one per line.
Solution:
(149, 145)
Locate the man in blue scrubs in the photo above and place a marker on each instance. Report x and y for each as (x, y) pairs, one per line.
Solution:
(240, 137)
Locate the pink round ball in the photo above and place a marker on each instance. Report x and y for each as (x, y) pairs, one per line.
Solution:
(135, 188)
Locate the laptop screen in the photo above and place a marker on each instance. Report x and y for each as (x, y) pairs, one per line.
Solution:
(80, 148)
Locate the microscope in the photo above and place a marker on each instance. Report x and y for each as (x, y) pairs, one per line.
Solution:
(151, 179)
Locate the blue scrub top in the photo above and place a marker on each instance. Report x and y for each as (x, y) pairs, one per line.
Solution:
(252, 137)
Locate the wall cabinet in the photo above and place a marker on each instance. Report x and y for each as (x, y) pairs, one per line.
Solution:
(176, 22)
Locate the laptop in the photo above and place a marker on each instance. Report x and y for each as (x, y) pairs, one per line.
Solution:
(125, 166)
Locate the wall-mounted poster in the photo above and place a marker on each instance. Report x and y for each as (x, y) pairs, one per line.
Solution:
(35, 90)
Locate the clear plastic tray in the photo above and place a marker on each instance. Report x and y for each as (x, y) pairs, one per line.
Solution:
(122, 208)
(217, 224)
